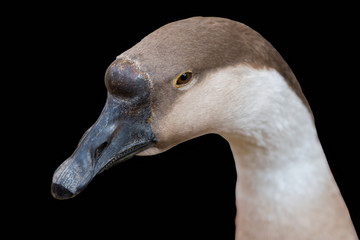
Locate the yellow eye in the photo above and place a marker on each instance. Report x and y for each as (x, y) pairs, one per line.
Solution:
(183, 79)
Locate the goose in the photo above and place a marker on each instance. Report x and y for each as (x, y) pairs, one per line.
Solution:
(206, 75)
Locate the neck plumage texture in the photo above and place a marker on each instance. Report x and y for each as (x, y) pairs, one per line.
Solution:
(285, 189)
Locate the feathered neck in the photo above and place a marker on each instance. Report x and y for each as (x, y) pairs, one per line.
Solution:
(285, 189)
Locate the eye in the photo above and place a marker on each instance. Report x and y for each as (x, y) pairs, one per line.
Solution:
(183, 79)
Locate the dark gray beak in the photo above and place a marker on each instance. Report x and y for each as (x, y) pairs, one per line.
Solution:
(122, 130)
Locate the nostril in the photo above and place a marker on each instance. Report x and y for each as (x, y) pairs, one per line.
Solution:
(99, 150)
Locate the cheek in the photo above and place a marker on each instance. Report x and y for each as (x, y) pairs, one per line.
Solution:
(186, 120)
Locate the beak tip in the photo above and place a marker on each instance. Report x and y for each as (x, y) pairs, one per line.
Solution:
(60, 192)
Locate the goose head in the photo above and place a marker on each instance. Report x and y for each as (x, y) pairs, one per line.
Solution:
(176, 84)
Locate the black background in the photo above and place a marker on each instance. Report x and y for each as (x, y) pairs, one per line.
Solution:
(58, 57)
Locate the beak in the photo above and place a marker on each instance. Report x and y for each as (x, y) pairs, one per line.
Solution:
(122, 130)
(116, 136)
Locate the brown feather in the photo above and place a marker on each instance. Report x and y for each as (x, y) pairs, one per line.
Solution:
(207, 43)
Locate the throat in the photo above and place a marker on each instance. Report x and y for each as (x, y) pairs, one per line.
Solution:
(282, 194)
